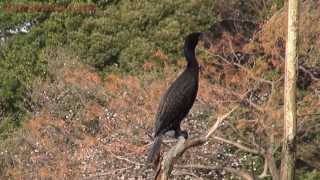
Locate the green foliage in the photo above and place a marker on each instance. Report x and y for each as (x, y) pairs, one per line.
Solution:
(122, 40)
(279, 3)
(313, 175)
(138, 51)
(127, 28)
(11, 92)
(133, 30)
(18, 67)
(272, 75)
(8, 124)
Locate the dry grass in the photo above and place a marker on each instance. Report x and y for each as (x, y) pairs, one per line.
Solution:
(272, 39)
(82, 78)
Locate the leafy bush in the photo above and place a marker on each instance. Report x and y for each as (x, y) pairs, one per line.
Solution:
(279, 3)
(122, 39)
(132, 30)
(313, 175)
(133, 56)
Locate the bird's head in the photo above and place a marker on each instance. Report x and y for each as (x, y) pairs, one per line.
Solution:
(192, 39)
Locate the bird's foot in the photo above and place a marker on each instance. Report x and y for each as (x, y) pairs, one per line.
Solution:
(181, 133)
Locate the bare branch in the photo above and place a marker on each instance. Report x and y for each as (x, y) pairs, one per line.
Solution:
(247, 71)
(199, 166)
(309, 73)
(241, 173)
(219, 120)
(244, 174)
(182, 173)
(272, 164)
(311, 114)
(265, 170)
(242, 97)
(165, 167)
(238, 145)
(108, 173)
(125, 159)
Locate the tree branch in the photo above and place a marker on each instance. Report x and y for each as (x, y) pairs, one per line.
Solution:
(219, 120)
(265, 170)
(238, 145)
(244, 174)
(166, 165)
(247, 71)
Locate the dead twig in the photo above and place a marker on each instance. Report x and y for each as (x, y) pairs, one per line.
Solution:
(238, 145)
(113, 172)
(305, 70)
(311, 114)
(244, 174)
(125, 159)
(242, 97)
(241, 173)
(219, 120)
(183, 173)
(265, 170)
(247, 71)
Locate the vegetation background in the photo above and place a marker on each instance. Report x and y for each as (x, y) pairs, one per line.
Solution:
(78, 91)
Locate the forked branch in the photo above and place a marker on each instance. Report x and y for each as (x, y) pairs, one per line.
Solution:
(166, 165)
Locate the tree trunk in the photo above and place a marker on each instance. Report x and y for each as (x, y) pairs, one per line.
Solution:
(289, 146)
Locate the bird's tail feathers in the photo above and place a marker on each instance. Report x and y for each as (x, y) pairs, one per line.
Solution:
(154, 150)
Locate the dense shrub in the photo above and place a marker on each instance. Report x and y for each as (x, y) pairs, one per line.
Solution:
(313, 175)
(132, 30)
(124, 35)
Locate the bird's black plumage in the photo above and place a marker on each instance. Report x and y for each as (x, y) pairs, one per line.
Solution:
(178, 99)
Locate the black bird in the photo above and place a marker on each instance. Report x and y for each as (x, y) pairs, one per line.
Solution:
(178, 99)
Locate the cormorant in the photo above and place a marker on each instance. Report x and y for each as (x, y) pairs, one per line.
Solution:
(178, 99)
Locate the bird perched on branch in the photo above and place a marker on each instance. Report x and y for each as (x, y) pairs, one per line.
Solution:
(178, 99)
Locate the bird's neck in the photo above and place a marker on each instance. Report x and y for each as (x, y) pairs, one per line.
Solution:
(191, 58)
